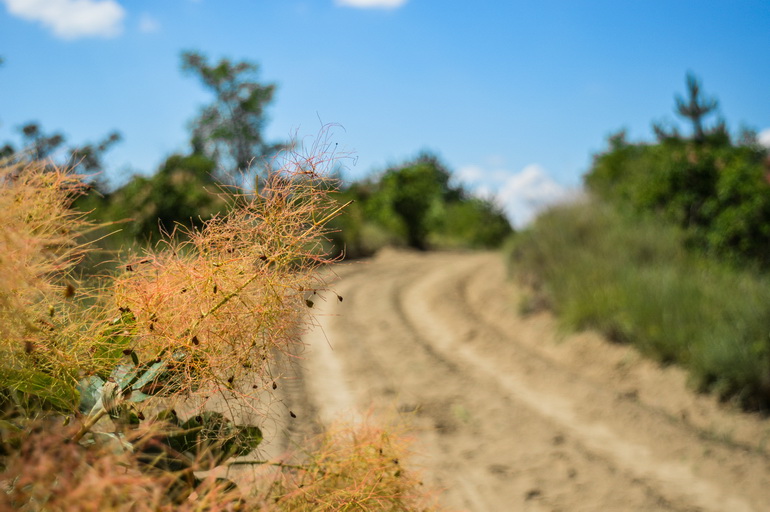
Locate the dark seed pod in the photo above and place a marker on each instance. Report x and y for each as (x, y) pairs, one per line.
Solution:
(69, 291)
(291, 413)
(129, 268)
(195, 340)
(275, 386)
(309, 303)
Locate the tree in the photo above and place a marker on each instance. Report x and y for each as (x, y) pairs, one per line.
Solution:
(181, 192)
(696, 107)
(229, 131)
(410, 197)
(38, 144)
(89, 157)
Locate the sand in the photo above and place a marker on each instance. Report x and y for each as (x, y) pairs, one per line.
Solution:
(509, 412)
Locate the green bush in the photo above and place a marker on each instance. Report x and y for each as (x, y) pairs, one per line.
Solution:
(416, 205)
(632, 279)
(717, 190)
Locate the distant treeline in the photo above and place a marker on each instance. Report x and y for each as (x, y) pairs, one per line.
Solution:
(411, 205)
(414, 204)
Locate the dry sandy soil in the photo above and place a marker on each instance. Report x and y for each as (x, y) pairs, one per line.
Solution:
(508, 412)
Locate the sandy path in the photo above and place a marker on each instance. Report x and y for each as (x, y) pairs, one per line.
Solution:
(510, 415)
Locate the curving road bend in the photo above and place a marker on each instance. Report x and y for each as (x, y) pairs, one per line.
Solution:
(511, 414)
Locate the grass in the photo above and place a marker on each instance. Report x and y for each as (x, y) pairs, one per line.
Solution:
(633, 280)
(355, 468)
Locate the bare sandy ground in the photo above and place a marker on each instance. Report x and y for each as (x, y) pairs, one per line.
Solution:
(509, 413)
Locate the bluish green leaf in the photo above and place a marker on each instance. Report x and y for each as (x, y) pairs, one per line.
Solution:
(90, 390)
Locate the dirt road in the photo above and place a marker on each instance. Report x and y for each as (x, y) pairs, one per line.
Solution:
(512, 415)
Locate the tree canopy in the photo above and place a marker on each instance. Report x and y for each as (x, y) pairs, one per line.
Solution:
(715, 188)
(230, 129)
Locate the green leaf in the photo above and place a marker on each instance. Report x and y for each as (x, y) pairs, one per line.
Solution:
(246, 440)
(168, 416)
(123, 375)
(211, 436)
(42, 389)
(137, 397)
(115, 338)
(7, 425)
(90, 390)
(150, 376)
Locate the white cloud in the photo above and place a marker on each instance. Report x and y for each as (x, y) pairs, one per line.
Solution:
(527, 193)
(764, 137)
(470, 173)
(72, 19)
(522, 195)
(148, 24)
(371, 4)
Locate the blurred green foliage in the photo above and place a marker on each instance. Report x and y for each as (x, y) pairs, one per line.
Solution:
(410, 205)
(416, 205)
(669, 250)
(717, 190)
(230, 129)
(413, 205)
(182, 191)
(633, 280)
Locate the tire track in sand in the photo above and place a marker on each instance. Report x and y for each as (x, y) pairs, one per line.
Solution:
(503, 428)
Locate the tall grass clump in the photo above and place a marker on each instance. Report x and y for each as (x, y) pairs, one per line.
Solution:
(632, 279)
(357, 468)
(146, 378)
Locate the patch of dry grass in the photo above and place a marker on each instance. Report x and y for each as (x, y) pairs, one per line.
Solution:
(355, 467)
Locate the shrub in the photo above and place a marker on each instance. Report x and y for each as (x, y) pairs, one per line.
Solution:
(355, 469)
(632, 279)
(160, 361)
(718, 192)
(415, 205)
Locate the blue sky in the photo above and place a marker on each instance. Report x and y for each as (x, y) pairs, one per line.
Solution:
(513, 96)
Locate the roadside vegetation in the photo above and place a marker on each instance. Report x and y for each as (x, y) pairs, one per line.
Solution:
(143, 328)
(417, 205)
(669, 250)
(123, 391)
